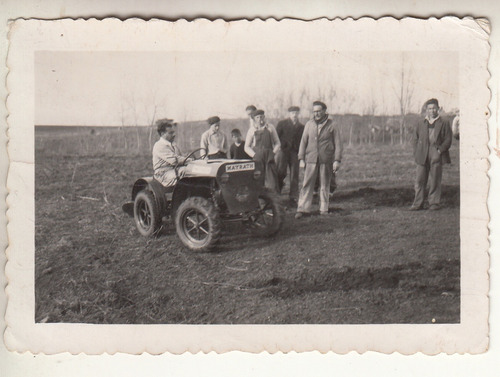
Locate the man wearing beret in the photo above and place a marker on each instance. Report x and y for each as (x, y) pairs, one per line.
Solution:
(431, 141)
(214, 142)
(290, 132)
(166, 154)
(321, 152)
(261, 144)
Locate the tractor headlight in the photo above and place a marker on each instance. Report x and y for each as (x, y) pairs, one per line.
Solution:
(257, 174)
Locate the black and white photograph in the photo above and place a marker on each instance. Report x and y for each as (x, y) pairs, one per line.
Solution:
(339, 202)
(233, 180)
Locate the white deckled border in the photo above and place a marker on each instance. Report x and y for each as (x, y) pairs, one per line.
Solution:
(449, 33)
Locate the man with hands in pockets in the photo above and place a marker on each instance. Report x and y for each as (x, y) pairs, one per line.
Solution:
(431, 143)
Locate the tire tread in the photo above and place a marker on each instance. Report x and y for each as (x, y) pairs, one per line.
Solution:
(199, 202)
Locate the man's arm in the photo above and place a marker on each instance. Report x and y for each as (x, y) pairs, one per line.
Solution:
(276, 139)
(415, 138)
(224, 144)
(248, 141)
(204, 143)
(455, 126)
(279, 129)
(337, 141)
(447, 137)
(304, 140)
(164, 157)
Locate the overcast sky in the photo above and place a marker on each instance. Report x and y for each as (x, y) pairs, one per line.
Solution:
(115, 88)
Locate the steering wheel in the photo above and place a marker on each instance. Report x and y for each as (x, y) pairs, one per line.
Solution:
(190, 155)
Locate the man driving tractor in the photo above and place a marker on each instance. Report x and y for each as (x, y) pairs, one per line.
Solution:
(198, 194)
(166, 154)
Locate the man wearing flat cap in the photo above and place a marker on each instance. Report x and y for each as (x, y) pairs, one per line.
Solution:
(166, 154)
(290, 132)
(321, 152)
(214, 142)
(431, 141)
(261, 144)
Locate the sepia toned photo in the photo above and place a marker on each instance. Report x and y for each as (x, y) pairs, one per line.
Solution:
(194, 176)
(313, 208)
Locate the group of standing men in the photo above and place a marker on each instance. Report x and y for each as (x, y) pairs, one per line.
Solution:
(316, 147)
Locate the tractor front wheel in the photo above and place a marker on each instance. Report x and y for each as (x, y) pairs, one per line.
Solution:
(198, 224)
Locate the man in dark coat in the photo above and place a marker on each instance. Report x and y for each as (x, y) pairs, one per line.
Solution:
(290, 133)
(431, 142)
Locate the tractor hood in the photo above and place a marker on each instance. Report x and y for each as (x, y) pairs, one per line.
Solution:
(210, 168)
(241, 181)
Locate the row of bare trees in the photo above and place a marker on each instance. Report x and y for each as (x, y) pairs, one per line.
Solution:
(134, 112)
(403, 86)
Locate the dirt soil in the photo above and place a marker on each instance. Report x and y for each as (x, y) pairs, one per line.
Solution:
(370, 261)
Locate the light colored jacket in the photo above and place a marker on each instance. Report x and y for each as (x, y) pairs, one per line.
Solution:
(166, 155)
(323, 148)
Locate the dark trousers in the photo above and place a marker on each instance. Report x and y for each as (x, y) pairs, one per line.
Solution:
(288, 160)
(271, 174)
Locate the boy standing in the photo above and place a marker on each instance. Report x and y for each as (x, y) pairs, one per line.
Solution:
(237, 149)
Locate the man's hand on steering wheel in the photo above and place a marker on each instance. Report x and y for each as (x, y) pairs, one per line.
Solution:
(191, 156)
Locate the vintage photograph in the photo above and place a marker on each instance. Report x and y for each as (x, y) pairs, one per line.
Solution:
(247, 187)
(255, 186)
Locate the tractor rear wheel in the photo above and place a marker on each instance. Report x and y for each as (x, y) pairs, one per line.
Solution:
(146, 213)
(198, 224)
